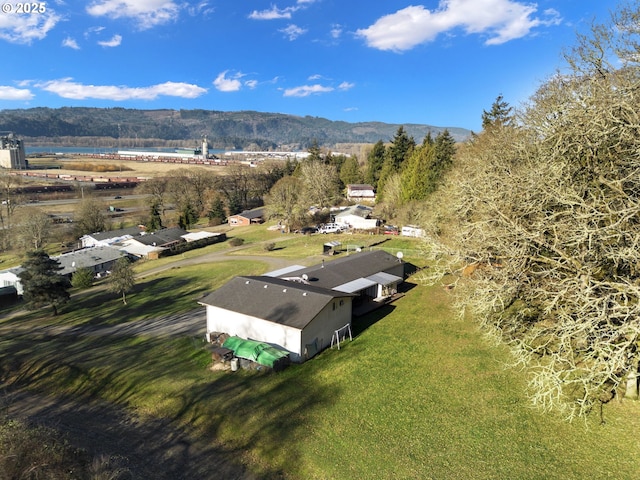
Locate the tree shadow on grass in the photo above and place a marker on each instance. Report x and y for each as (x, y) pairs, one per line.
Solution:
(148, 299)
(265, 411)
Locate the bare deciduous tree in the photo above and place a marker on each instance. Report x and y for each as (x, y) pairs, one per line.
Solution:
(542, 230)
(34, 228)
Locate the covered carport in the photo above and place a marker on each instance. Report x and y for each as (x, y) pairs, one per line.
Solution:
(372, 291)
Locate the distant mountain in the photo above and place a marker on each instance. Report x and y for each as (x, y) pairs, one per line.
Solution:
(80, 126)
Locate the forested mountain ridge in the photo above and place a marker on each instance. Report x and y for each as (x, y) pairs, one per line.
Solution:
(241, 129)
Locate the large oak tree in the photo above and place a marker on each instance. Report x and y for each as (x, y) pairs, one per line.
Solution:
(541, 236)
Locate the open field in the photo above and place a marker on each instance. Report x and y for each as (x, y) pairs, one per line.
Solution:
(418, 394)
(133, 169)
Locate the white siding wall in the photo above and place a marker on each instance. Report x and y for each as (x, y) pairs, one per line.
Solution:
(252, 328)
(10, 279)
(356, 222)
(321, 328)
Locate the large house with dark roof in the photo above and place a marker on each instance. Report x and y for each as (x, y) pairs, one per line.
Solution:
(300, 309)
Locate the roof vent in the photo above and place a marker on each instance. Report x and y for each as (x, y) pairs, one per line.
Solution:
(247, 282)
(304, 294)
(266, 286)
(284, 290)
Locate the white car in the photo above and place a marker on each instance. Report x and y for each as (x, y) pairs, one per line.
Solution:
(330, 228)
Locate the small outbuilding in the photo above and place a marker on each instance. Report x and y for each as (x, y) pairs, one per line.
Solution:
(248, 217)
(357, 216)
(361, 192)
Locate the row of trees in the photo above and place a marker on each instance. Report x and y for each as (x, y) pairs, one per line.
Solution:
(401, 172)
(543, 207)
(199, 192)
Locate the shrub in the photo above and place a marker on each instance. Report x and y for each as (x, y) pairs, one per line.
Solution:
(82, 278)
(268, 247)
(236, 242)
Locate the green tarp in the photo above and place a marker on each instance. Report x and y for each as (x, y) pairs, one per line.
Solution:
(258, 352)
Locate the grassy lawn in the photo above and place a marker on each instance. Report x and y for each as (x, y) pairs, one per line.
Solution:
(418, 394)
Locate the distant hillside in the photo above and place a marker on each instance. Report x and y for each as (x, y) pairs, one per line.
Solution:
(80, 126)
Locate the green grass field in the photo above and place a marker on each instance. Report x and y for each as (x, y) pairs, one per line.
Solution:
(418, 394)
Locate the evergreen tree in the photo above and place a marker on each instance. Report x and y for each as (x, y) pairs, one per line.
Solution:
(350, 172)
(375, 159)
(445, 149)
(155, 218)
(401, 147)
(216, 213)
(427, 166)
(188, 216)
(499, 115)
(428, 139)
(417, 177)
(315, 154)
(42, 283)
(395, 155)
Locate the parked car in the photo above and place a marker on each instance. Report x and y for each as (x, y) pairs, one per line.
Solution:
(117, 197)
(330, 228)
(308, 230)
(391, 230)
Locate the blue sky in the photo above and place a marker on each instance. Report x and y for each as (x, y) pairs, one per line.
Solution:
(437, 62)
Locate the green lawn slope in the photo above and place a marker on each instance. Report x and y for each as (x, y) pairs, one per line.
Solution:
(418, 393)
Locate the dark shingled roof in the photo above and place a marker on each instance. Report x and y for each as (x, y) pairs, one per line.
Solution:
(163, 237)
(249, 214)
(346, 269)
(280, 301)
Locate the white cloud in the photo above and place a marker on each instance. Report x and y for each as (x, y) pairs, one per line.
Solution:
(201, 9)
(336, 31)
(93, 30)
(251, 84)
(292, 31)
(115, 41)
(24, 29)
(12, 93)
(500, 20)
(146, 13)
(67, 88)
(71, 43)
(228, 84)
(274, 13)
(306, 90)
(346, 86)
